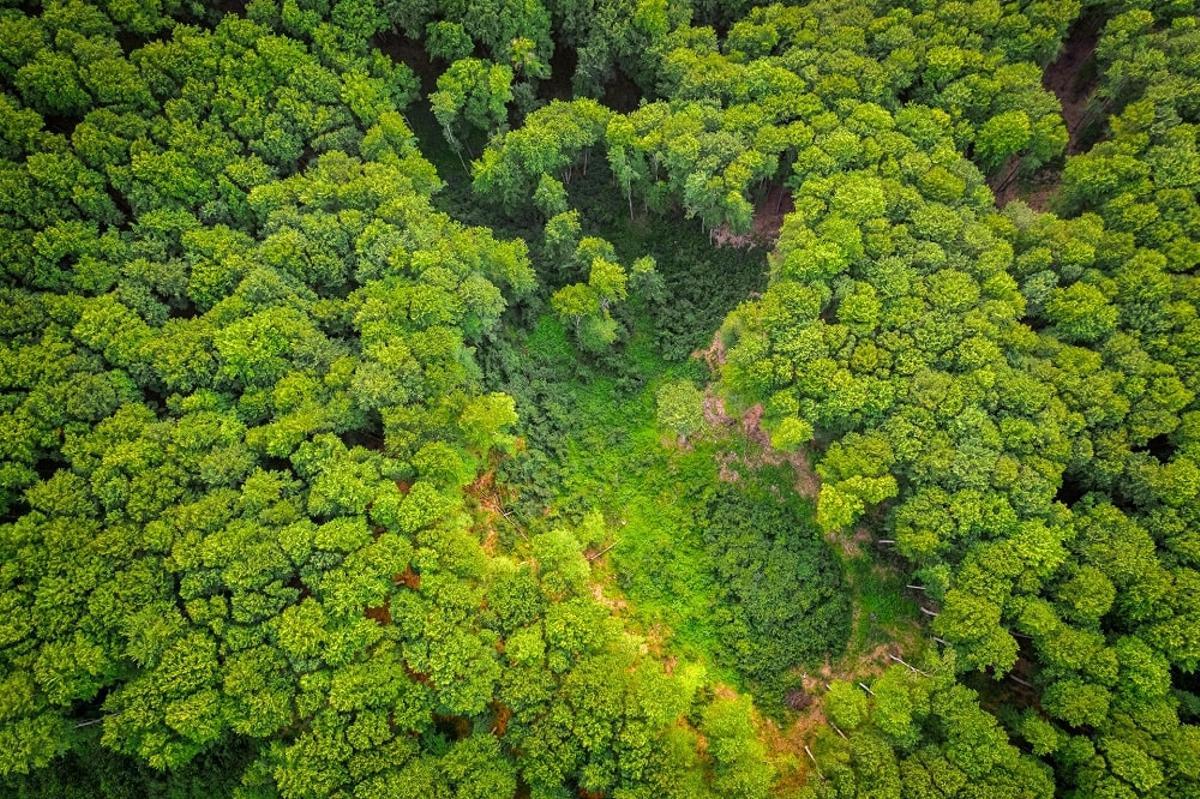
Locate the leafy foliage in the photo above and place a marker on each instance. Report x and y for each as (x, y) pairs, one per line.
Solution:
(268, 413)
(784, 603)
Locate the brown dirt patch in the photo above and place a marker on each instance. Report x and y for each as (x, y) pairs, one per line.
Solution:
(786, 744)
(764, 226)
(808, 483)
(487, 498)
(381, 614)
(502, 714)
(714, 355)
(615, 604)
(851, 543)
(408, 578)
(714, 412)
(1072, 77)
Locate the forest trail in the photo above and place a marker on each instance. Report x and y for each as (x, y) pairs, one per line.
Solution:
(1073, 79)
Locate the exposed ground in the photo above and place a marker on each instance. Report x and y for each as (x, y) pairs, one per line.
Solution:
(597, 448)
(765, 226)
(786, 743)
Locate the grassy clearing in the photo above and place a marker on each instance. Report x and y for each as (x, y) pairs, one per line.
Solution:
(591, 444)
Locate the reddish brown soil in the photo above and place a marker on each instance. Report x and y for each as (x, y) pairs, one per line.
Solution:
(765, 227)
(1071, 78)
(381, 614)
(807, 485)
(408, 578)
(786, 744)
(714, 356)
(503, 714)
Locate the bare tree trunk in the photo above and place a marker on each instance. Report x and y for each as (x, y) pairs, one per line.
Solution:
(601, 552)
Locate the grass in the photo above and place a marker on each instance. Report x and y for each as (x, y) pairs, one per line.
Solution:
(651, 496)
(882, 610)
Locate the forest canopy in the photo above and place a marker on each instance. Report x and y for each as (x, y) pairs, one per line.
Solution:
(600, 398)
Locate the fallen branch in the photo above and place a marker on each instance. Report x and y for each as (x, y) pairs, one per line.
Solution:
(808, 752)
(90, 722)
(601, 552)
(910, 666)
(516, 526)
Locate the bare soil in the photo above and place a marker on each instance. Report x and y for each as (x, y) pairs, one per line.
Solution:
(765, 226)
(787, 743)
(1072, 77)
(714, 356)
(808, 483)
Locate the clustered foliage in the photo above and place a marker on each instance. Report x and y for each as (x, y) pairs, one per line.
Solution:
(241, 404)
(1008, 396)
(764, 551)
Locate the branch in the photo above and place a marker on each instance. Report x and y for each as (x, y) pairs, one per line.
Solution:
(601, 552)
(90, 722)
(516, 526)
(808, 752)
(910, 666)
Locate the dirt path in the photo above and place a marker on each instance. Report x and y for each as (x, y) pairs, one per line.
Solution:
(1073, 78)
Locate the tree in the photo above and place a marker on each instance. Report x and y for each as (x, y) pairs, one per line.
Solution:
(471, 94)
(447, 41)
(846, 705)
(551, 199)
(739, 760)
